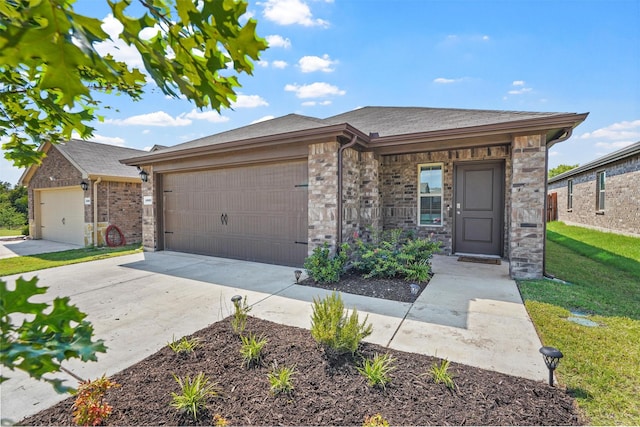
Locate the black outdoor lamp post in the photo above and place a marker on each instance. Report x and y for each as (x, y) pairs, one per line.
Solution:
(551, 357)
(298, 273)
(84, 185)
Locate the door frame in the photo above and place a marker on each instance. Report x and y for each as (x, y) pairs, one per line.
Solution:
(501, 216)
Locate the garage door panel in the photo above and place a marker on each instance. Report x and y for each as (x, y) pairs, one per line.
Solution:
(62, 215)
(255, 213)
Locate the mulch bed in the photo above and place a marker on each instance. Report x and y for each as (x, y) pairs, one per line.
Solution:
(393, 288)
(326, 392)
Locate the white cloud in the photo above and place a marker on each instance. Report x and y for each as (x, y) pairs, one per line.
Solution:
(443, 80)
(486, 38)
(276, 40)
(146, 131)
(279, 64)
(309, 64)
(249, 101)
(314, 90)
(314, 103)
(615, 136)
(289, 12)
(553, 153)
(520, 88)
(158, 118)
(262, 119)
(263, 64)
(210, 116)
(111, 140)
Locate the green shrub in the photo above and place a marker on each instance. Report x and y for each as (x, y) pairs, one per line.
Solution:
(377, 371)
(334, 328)
(193, 394)
(184, 345)
(440, 374)
(323, 267)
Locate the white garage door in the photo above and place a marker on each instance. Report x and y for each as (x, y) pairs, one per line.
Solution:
(62, 215)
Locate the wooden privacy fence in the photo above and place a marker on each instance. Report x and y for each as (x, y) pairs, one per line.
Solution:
(552, 207)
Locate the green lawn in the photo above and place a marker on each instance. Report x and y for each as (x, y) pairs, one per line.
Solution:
(25, 264)
(4, 232)
(601, 367)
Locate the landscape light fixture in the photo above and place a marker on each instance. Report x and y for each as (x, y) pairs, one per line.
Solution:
(84, 185)
(144, 176)
(551, 357)
(236, 300)
(298, 273)
(414, 289)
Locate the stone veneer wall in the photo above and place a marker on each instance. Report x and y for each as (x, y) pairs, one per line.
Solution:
(399, 189)
(622, 198)
(370, 198)
(528, 197)
(151, 213)
(351, 206)
(323, 186)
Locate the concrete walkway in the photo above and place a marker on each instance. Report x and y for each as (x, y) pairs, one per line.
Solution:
(469, 313)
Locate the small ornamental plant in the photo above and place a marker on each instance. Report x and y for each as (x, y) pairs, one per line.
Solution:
(377, 371)
(251, 349)
(90, 408)
(219, 421)
(440, 374)
(240, 313)
(375, 421)
(183, 346)
(193, 394)
(280, 379)
(333, 327)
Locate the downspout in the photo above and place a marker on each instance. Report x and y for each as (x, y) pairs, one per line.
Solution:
(563, 137)
(339, 204)
(95, 211)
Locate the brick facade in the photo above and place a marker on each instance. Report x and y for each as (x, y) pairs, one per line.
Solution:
(622, 198)
(323, 192)
(119, 203)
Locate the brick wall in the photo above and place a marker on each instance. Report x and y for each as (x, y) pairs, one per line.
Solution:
(323, 191)
(622, 198)
(527, 219)
(151, 213)
(120, 204)
(399, 189)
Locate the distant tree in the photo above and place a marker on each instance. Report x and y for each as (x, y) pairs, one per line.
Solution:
(13, 206)
(561, 169)
(51, 74)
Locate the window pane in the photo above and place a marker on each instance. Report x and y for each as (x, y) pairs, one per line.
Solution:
(431, 179)
(430, 210)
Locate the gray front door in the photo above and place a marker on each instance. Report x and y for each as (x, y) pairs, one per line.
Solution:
(478, 208)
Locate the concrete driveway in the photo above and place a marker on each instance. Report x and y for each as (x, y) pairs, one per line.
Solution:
(18, 246)
(469, 313)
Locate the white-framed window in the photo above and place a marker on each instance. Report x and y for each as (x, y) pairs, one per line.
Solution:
(570, 194)
(430, 178)
(601, 177)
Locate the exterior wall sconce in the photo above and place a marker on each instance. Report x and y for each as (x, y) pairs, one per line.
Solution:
(144, 176)
(298, 273)
(84, 185)
(551, 357)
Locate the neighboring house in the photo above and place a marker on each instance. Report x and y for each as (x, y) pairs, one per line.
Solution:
(275, 190)
(603, 194)
(59, 208)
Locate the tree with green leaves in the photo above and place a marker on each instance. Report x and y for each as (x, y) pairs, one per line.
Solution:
(560, 169)
(51, 73)
(51, 78)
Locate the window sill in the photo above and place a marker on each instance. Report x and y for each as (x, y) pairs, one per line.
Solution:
(569, 210)
(599, 212)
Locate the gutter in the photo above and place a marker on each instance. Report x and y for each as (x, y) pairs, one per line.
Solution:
(340, 173)
(95, 211)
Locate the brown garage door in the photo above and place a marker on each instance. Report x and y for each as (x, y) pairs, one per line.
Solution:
(255, 213)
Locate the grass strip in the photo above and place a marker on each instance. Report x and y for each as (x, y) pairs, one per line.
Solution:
(25, 264)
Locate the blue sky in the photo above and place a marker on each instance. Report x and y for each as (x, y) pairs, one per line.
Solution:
(328, 57)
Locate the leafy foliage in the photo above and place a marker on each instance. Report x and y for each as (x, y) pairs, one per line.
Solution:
(377, 371)
(440, 374)
(184, 345)
(389, 255)
(334, 328)
(280, 379)
(219, 421)
(561, 169)
(13, 206)
(323, 267)
(193, 394)
(51, 72)
(251, 349)
(47, 335)
(89, 408)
